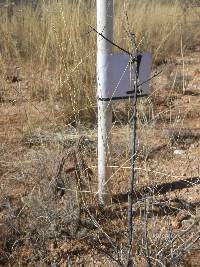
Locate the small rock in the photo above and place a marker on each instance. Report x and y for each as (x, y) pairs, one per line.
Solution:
(56, 107)
(179, 152)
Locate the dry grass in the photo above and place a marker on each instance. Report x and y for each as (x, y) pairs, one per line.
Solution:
(53, 42)
(52, 58)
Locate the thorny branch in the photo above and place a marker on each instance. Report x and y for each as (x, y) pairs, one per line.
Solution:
(133, 174)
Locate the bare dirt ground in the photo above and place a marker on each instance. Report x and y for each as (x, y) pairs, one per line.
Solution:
(33, 142)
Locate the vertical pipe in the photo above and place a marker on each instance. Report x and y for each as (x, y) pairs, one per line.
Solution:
(104, 48)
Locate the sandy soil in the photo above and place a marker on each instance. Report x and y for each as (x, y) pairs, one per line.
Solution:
(35, 224)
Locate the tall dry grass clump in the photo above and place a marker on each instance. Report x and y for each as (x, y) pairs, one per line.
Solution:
(54, 37)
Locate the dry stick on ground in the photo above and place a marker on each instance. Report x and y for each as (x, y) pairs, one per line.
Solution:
(74, 173)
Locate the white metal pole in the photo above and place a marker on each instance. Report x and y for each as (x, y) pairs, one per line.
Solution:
(104, 48)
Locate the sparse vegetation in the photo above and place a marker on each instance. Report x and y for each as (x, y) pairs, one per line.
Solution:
(49, 214)
(53, 40)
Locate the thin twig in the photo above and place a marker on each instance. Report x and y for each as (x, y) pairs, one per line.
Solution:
(151, 78)
(185, 250)
(111, 42)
